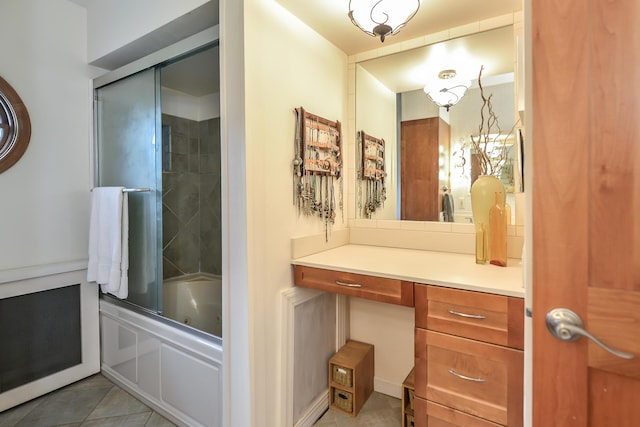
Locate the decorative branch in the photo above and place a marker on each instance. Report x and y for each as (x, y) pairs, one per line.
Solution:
(489, 144)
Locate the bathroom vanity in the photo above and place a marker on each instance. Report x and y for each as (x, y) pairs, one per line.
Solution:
(469, 325)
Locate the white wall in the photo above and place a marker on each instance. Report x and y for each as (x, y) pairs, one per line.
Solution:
(45, 195)
(115, 23)
(238, 393)
(376, 116)
(390, 328)
(417, 105)
(288, 66)
(190, 107)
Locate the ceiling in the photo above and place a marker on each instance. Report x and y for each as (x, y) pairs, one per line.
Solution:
(329, 18)
(197, 75)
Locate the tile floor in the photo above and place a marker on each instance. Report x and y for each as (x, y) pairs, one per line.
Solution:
(92, 402)
(379, 410)
(97, 402)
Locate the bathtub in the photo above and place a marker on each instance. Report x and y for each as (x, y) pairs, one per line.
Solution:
(174, 369)
(195, 300)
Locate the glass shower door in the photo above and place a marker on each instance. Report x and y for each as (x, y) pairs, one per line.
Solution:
(128, 133)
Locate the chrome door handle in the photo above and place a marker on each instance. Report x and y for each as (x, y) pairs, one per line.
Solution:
(566, 325)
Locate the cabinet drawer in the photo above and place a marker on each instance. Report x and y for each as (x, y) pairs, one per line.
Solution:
(497, 319)
(478, 378)
(429, 414)
(357, 285)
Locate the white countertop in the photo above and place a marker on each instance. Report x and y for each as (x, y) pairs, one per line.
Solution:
(434, 268)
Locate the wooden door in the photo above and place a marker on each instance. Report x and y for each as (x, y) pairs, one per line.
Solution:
(420, 142)
(586, 208)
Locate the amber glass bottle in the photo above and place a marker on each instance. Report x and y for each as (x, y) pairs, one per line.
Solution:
(482, 248)
(498, 233)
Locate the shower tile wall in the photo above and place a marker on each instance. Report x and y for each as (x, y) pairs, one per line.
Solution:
(191, 211)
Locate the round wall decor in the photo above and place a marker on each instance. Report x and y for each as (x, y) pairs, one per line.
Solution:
(15, 126)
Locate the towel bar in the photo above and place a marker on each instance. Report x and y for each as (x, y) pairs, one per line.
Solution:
(134, 190)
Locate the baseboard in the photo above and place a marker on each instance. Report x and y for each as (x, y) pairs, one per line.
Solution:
(315, 411)
(386, 387)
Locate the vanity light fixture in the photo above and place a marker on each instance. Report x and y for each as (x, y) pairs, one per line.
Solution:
(381, 18)
(447, 89)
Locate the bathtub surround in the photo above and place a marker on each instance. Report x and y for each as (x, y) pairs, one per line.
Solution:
(191, 209)
(174, 371)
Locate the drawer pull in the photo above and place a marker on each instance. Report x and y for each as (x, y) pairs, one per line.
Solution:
(464, 377)
(470, 316)
(348, 285)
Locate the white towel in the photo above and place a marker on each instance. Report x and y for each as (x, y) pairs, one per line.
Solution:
(109, 241)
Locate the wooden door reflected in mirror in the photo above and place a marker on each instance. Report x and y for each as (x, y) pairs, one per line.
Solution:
(422, 142)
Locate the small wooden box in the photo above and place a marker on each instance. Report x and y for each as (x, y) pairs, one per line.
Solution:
(408, 420)
(408, 393)
(351, 377)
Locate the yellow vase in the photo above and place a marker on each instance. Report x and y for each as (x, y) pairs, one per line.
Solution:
(483, 196)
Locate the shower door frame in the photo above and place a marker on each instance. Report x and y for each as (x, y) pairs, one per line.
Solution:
(156, 60)
(131, 158)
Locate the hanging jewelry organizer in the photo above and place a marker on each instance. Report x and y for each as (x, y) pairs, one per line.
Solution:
(317, 167)
(372, 173)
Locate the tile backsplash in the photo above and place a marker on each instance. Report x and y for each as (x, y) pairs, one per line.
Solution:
(430, 236)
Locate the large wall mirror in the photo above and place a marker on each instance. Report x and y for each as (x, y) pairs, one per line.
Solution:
(428, 148)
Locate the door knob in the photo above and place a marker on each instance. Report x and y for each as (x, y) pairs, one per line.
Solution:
(566, 325)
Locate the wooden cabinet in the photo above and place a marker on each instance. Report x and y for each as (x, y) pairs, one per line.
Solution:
(356, 285)
(497, 319)
(351, 377)
(431, 414)
(408, 397)
(468, 358)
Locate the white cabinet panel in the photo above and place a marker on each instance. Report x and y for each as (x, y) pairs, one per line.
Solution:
(119, 349)
(149, 363)
(190, 385)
